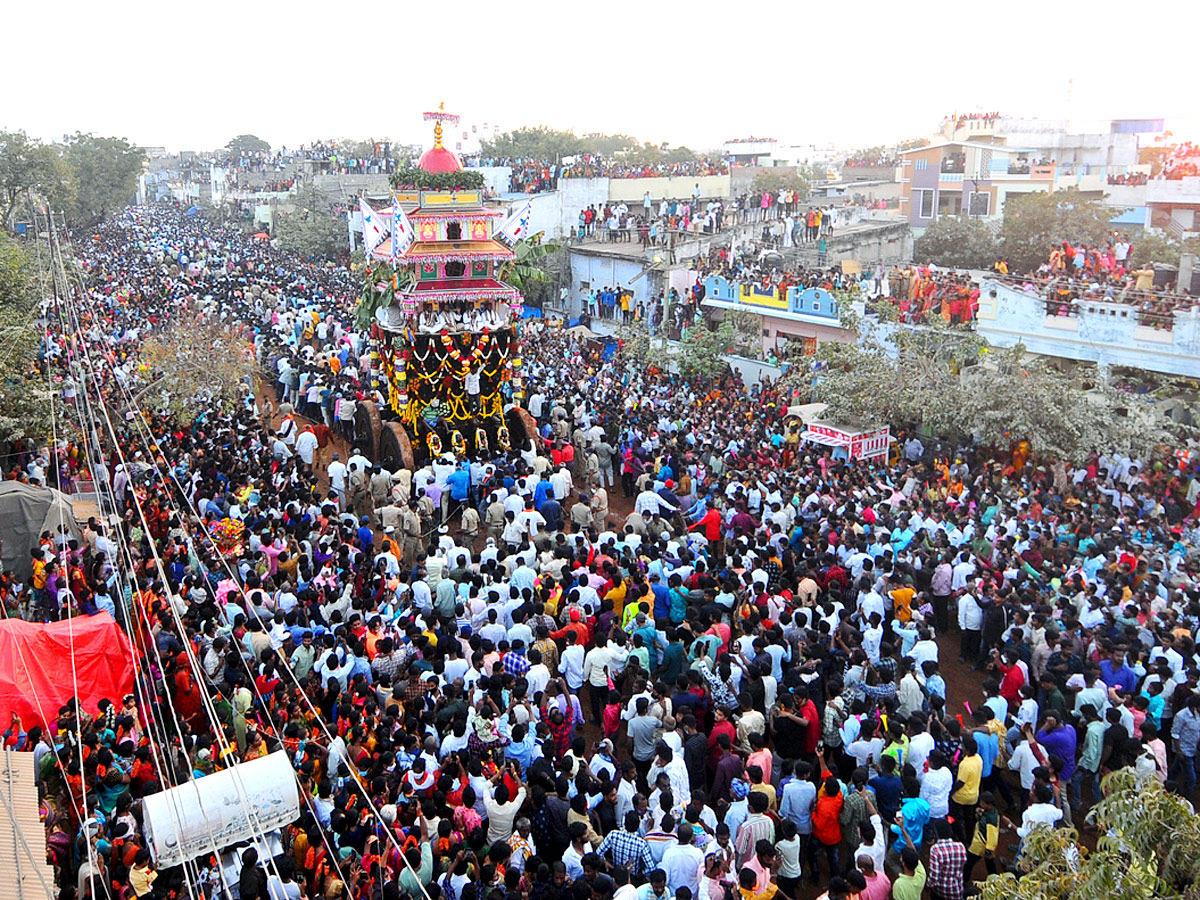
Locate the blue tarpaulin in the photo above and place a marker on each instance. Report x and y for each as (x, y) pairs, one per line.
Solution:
(1135, 216)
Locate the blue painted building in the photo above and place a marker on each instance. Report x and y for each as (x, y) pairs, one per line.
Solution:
(799, 314)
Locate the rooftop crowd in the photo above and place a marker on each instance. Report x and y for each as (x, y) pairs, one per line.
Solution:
(534, 176)
(1076, 273)
(505, 680)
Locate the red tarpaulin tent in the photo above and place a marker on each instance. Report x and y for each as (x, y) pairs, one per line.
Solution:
(36, 675)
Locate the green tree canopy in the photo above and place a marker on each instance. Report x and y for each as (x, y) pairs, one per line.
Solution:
(957, 242)
(1147, 847)
(951, 382)
(701, 353)
(1037, 222)
(608, 144)
(26, 165)
(526, 267)
(781, 178)
(312, 230)
(24, 398)
(536, 142)
(1157, 247)
(247, 143)
(106, 173)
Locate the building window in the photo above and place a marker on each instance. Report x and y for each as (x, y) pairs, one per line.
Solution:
(949, 203)
(816, 306)
(456, 269)
(453, 231)
(925, 203)
(980, 204)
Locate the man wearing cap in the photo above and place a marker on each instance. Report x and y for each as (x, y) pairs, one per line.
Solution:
(599, 505)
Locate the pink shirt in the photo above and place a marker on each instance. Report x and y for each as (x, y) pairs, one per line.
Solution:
(878, 887)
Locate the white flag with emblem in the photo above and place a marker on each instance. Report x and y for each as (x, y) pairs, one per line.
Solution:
(374, 227)
(402, 232)
(516, 226)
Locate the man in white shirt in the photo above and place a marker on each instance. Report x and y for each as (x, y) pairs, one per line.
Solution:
(571, 664)
(1041, 813)
(306, 445)
(337, 472)
(682, 862)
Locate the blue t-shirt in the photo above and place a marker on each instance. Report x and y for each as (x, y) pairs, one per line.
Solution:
(989, 749)
(916, 816)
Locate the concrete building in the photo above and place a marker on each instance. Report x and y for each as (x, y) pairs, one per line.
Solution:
(1174, 206)
(1109, 146)
(804, 316)
(976, 162)
(750, 151)
(966, 178)
(1107, 334)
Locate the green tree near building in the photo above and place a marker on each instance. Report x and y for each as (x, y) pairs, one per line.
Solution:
(1036, 223)
(957, 242)
(105, 171)
(24, 393)
(28, 165)
(783, 178)
(312, 230)
(245, 144)
(536, 142)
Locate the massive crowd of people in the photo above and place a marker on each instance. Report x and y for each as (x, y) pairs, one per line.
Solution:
(1075, 274)
(787, 220)
(534, 176)
(502, 679)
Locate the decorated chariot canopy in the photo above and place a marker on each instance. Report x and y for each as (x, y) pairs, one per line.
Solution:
(444, 321)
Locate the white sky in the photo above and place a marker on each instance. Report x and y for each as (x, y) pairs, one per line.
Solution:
(193, 75)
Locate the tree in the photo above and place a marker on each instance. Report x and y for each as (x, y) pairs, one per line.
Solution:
(180, 374)
(246, 144)
(24, 394)
(28, 165)
(1147, 846)
(312, 230)
(781, 178)
(957, 242)
(608, 144)
(1152, 247)
(701, 354)
(105, 171)
(538, 142)
(523, 269)
(1037, 222)
(950, 382)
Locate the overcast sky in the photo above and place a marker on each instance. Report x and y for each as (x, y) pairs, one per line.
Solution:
(192, 75)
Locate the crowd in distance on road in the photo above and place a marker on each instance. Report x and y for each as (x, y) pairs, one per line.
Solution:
(501, 679)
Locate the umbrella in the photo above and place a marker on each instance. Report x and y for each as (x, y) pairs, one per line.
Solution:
(193, 210)
(262, 236)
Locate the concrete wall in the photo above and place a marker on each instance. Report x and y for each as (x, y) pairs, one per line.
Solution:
(342, 186)
(881, 242)
(752, 370)
(599, 271)
(579, 193)
(1107, 334)
(632, 189)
